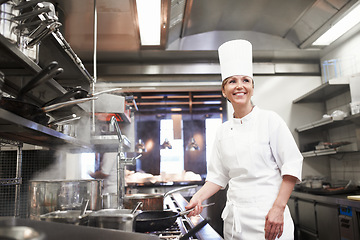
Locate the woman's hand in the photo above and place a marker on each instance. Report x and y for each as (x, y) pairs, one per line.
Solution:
(204, 193)
(196, 204)
(274, 223)
(274, 220)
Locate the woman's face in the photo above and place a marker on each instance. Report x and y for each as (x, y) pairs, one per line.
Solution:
(238, 89)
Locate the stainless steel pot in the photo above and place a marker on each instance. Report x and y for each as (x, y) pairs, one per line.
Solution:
(151, 201)
(8, 25)
(70, 216)
(49, 196)
(120, 219)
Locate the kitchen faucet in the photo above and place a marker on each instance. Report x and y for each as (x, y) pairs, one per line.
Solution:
(122, 161)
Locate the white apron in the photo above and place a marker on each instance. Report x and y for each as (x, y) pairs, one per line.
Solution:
(254, 182)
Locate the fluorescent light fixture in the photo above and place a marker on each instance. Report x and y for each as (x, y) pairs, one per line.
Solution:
(341, 27)
(149, 16)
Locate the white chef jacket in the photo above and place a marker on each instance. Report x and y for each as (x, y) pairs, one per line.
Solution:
(252, 154)
(108, 167)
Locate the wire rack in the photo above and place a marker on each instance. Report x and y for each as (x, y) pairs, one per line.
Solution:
(17, 167)
(10, 178)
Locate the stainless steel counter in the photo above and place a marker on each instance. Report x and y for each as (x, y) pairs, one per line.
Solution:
(61, 231)
(329, 199)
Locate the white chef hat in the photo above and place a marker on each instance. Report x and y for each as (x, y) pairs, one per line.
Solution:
(235, 58)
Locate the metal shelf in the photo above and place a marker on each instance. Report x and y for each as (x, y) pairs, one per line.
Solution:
(14, 62)
(323, 92)
(16, 128)
(330, 123)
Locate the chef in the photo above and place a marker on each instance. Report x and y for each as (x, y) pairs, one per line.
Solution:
(254, 154)
(108, 172)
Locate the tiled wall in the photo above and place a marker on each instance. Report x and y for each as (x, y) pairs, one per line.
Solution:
(344, 166)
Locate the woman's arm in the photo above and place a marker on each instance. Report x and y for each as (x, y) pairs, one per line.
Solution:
(204, 193)
(274, 220)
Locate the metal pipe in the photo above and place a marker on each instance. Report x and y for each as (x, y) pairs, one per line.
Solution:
(95, 68)
(18, 176)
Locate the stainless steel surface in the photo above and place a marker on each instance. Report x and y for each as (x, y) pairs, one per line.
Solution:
(60, 231)
(110, 200)
(20, 233)
(279, 31)
(18, 169)
(50, 195)
(27, 131)
(290, 22)
(120, 219)
(70, 216)
(154, 201)
(176, 202)
(122, 161)
(8, 26)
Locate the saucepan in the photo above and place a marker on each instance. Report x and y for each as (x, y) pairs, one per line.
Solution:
(120, 219)
(150, 221)
(7, 24)
(75, 217)
(151, 201)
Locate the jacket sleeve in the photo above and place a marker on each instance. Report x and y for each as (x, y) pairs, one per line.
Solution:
(216, 173)
(284, 148)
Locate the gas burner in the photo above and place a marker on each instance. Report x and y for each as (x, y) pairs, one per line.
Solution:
(172, 232)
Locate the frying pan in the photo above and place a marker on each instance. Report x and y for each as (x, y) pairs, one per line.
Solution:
(33, 112)
(28, 110)
(150, 221)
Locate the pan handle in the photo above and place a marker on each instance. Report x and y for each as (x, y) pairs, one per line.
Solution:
(179, 189)
(194, 230)
(182, 213)
(37, 80)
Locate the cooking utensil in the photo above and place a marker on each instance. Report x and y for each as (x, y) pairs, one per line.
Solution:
(8, 26)
(151, 201)
(83, 207)
(136, 207)
(194, 230)
(120, 219)
(30, 14)
(69, 216)
(149, 221)
(66, 104)
(29, 110)
(51, 195)
(82, 93)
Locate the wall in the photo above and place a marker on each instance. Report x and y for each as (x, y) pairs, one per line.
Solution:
(347, 166)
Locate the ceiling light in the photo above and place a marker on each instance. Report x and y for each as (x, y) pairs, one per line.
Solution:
(149, 16)
(192, 146)
(140, 146)
(166, 144)
(341, 27)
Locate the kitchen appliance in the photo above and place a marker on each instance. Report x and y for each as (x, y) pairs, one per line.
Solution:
(184, 225)
(148, 221)
(347, 228)
(52, 195)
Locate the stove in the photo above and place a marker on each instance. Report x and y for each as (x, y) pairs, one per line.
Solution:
(176, 202)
